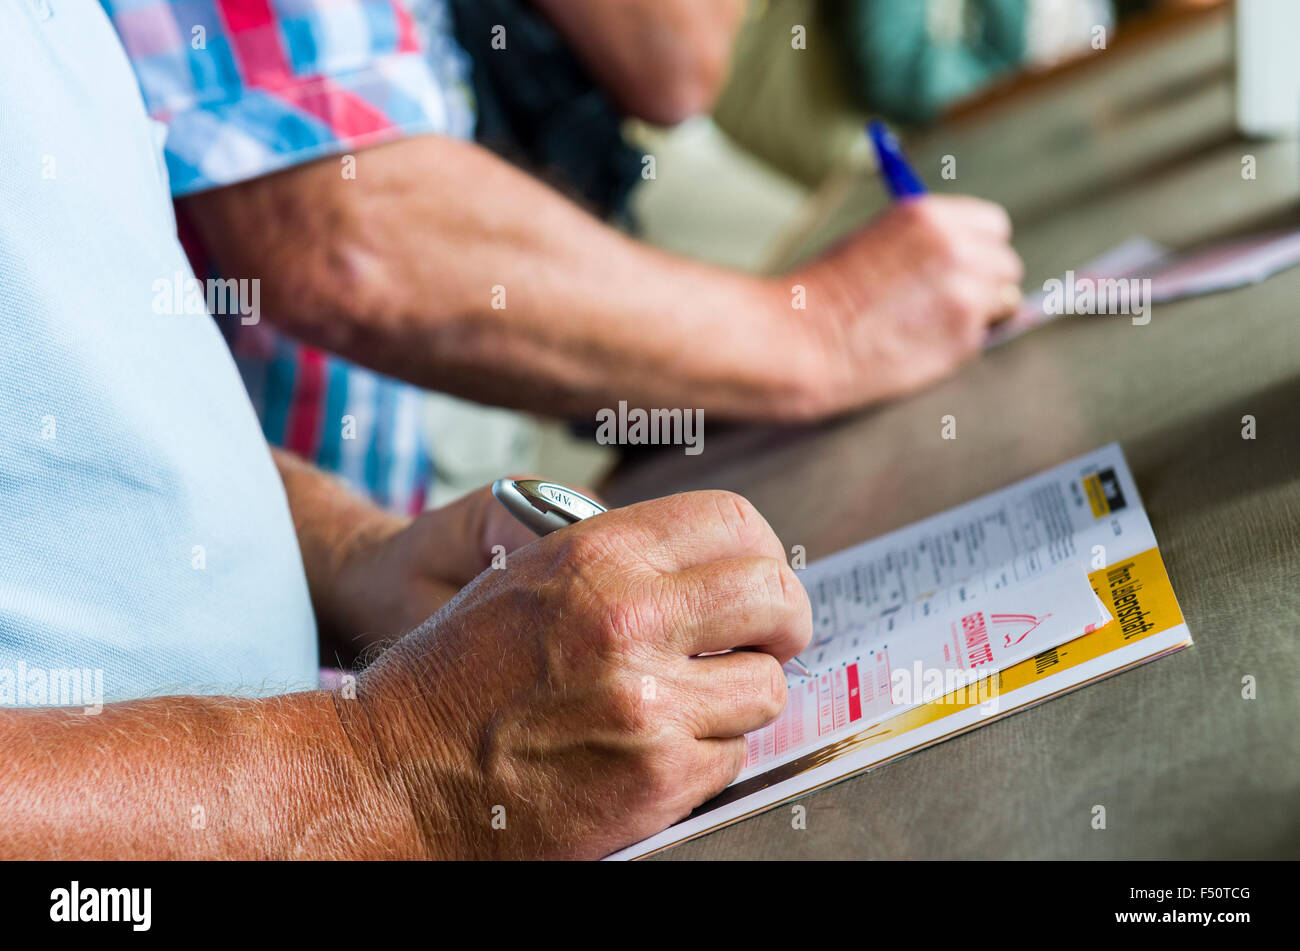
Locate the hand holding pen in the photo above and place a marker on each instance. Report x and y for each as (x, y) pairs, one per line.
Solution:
(547, 506)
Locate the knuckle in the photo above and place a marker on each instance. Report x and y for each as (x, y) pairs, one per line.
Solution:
(771, 576)
(786, 596)
(771, 689)
(626, 708)
(613, 605)
(734, 759)
(793, 594)
(805, 611)
(758, 687)
(736, 513)
(577, 550)
(621, 618)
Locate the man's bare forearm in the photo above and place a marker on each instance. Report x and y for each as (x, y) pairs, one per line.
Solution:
(660, 60)
(442, 265)
(196, 778)
(333, 525)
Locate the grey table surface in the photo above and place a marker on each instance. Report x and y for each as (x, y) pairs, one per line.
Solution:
(1184, 764)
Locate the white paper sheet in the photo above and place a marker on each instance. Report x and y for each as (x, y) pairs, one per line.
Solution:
(1174, 275)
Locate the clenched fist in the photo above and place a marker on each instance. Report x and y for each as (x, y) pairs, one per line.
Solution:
(564, 696)
(908, 298)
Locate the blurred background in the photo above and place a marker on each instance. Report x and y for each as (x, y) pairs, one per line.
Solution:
(1041, 105)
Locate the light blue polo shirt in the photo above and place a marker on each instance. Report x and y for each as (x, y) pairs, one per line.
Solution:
(144, 530)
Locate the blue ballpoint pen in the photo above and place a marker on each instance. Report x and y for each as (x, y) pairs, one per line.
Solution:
(899, 177)
(547, 506)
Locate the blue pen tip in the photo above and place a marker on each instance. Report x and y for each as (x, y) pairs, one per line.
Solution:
(898, 175)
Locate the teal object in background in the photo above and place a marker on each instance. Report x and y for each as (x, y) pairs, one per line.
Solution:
(908, 59)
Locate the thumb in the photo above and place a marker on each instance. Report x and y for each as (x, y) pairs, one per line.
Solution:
(462, 538)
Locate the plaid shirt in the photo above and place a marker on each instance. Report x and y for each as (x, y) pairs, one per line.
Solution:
(247, 87)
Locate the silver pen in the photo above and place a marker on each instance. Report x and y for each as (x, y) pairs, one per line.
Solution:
(547, 506)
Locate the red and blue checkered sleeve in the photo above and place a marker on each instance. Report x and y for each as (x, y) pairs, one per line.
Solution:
(249, 87)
